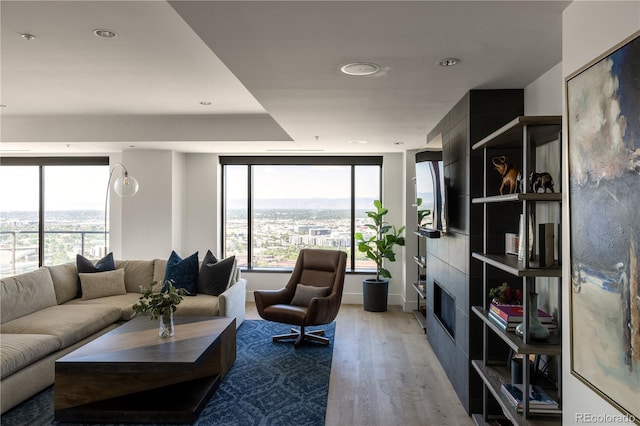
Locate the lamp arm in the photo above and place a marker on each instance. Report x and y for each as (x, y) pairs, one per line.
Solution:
(106, 201)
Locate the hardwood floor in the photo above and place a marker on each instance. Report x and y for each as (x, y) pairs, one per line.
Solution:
(385, 373)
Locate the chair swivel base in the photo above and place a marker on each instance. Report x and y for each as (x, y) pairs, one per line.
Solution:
(301, 335)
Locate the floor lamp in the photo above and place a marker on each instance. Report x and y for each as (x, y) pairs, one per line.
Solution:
(124, 186)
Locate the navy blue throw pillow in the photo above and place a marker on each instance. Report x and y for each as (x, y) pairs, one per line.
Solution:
(183, 272)
(215, 277)
(85, 266)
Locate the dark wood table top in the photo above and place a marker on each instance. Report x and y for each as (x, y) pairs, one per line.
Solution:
(135, 346)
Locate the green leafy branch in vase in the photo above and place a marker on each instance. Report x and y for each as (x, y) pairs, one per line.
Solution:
(380, 245)
(161, 304)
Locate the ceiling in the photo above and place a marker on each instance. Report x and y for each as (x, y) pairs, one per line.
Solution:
(270, 71)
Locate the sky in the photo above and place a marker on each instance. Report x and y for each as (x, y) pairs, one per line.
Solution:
(67, 187)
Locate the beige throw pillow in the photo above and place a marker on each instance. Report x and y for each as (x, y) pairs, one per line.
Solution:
(304, 294)
(102, 284)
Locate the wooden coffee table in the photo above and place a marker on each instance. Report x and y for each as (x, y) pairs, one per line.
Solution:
(130, 374)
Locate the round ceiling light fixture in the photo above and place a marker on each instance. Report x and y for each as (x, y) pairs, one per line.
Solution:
(358, 142)
(27, 36)
(102, 33)
(360, 68)
(205, 103)
(448, 62)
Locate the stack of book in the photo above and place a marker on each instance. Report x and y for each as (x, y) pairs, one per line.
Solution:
(507, 317)
(539, 401)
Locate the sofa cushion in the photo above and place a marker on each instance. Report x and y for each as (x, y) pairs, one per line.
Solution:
(215, 277)
(201, 305)
(183, 272)
(102, 284)
(69, 323)
(85, 266)
(20, 350)
(137, 273)
(124, 302)
(65, 281)
(24, 294)
(304, 294)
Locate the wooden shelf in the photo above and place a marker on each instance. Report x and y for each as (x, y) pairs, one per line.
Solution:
(422, 293)
(422, 320)
(529, 196)
(493, 378)
(542, 129)
(552, 346)
(511, 264)
(421, 263)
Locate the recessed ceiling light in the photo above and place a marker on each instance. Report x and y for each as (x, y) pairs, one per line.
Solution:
(27, 36)
(205, 103)
(358, 142)
(360, 68)
(398, 143)
(448, 62)
(105, 33)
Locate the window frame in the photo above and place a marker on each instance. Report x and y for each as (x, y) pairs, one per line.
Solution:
(249, 161)
(41, 163)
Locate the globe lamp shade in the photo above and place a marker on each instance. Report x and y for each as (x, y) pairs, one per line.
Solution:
(126, 186)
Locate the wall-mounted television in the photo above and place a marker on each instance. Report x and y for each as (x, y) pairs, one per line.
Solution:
(431, 193)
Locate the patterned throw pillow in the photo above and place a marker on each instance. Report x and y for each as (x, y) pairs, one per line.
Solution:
(183, 272)
(85, 266)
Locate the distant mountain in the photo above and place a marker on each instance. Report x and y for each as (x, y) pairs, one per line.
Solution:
(303, 203)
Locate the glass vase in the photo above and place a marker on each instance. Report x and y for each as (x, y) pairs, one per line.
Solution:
(166, 324)
(537, 330)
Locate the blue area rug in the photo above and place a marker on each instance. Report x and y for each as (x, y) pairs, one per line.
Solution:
(269, 384)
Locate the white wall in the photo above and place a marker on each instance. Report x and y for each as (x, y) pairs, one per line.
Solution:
(544, 96)
(200, 223)
(590, 28)
(147, 218)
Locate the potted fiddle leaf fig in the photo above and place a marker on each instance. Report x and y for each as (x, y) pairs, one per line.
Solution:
(378, 247)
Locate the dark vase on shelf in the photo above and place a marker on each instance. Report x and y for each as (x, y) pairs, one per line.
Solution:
(537, 330)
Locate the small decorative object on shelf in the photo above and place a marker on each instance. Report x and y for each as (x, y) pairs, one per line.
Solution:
(540, 180)
(505, 295)
(161, 305)
(508, 317)
(537, 330)
(511, 176)
(546, 244)
(539, 400)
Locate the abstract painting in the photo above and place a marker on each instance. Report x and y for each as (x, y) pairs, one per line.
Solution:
(603, 113)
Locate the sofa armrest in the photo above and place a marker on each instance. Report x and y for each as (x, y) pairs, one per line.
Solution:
(231, 303)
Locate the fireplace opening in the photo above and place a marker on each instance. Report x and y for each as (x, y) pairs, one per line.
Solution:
(444, 308)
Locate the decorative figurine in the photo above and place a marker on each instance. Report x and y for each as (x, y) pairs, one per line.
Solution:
(511, 176)
(541, 180)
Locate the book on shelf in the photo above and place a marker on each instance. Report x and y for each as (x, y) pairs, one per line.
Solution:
(511, 325)
(539, 400)
(514, 313)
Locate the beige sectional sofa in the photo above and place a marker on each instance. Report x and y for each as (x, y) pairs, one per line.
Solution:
(41, 319)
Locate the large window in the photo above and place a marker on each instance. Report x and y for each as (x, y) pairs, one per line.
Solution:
(50, 210)
(275, 206)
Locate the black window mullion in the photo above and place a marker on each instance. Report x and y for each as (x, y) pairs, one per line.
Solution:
(250, 217)
(353, 218)
(41, 216)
